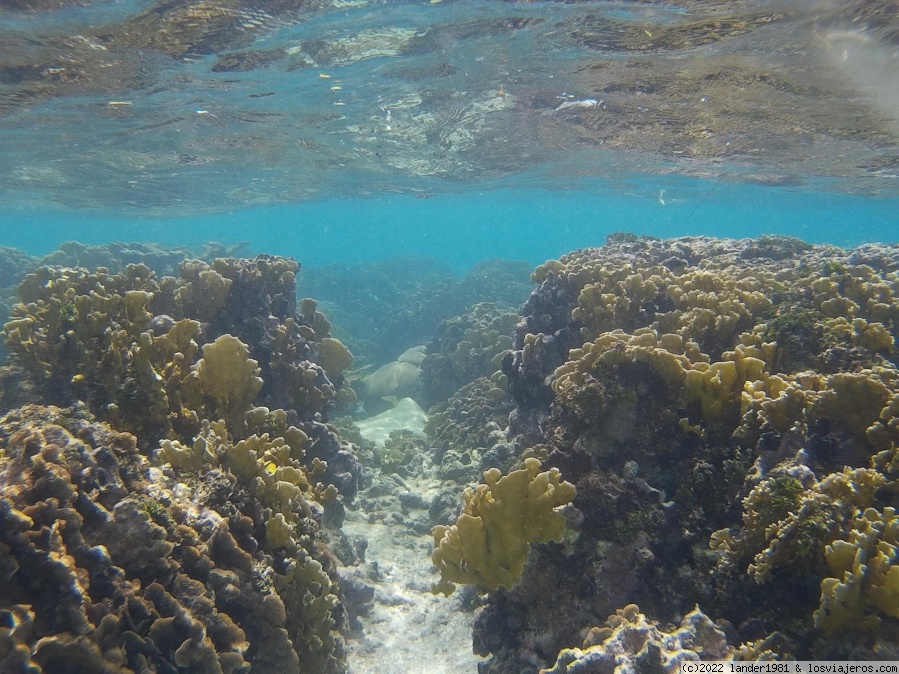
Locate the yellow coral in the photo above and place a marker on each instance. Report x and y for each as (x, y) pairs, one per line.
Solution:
(856, 399)
(780, 511)
(205, 294)
(712, 391)
(269, 468)
(866, 575)
(334, 357)
(309, 598)
(226, 379)
(489, 543)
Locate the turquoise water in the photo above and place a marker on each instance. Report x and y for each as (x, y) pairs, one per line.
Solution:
(389, 146)
(532, 225)
(335, 130)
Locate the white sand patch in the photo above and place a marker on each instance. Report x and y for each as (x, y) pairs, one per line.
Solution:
(405, 414)
(408, 630)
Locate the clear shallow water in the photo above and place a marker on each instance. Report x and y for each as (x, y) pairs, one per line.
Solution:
(140, 109)
(533, 225)
(346, 131)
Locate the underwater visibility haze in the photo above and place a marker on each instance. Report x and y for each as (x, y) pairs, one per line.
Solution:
(509, 337)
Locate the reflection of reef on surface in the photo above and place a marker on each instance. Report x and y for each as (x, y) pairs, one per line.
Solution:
(785, 95)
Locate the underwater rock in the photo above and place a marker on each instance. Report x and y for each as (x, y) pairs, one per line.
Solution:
(393, 381)
(406, 414)
(414, 355)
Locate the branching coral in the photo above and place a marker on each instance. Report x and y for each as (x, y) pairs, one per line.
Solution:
(865, 575)
(224, 382)
(488, 545)
(310, 598)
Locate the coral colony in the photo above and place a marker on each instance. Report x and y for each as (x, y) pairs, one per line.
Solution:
(676, 449)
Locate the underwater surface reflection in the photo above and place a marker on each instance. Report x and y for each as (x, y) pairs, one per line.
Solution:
(193, 106)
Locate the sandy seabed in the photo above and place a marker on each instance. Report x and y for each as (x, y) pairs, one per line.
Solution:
(408, 630)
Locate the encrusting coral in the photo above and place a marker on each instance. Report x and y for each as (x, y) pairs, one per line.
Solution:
(123, 574)
(489, 543)
(630, 642)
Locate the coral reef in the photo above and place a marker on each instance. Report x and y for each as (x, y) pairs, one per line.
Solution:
(108, 571)
(14, 264)
(468, 432)
(176, 525)
(117, 255)
(706, 428)
(629, 642)
(129, 346)
(726, 412)
(383, 308)
(865, 575)
(489, 543)
(464, 348)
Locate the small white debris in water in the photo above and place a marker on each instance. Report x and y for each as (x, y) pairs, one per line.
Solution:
(586, 103)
